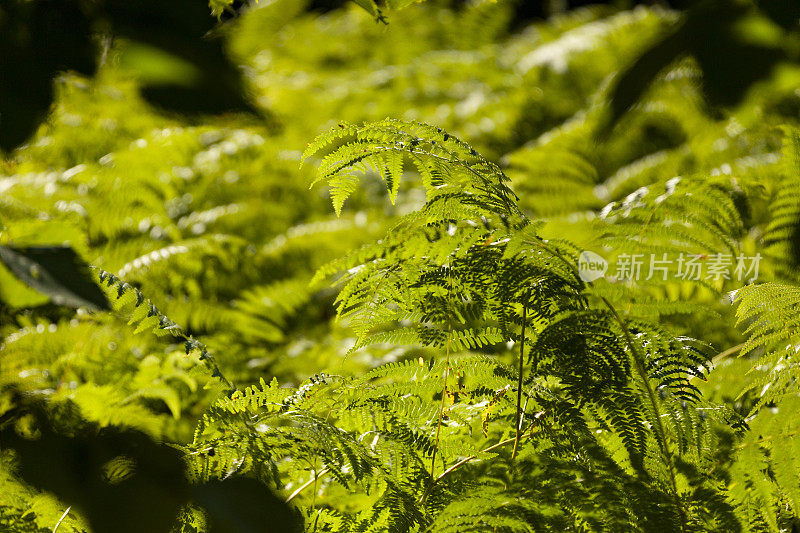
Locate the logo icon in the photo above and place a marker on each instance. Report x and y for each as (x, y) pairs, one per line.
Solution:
(591, 266)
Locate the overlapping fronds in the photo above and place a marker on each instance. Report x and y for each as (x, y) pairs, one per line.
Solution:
(782, 234)
(681, 216)
(437, 281)
(475, 380)
(768, 314)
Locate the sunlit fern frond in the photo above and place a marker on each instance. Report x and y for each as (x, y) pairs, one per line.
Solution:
(443, 161)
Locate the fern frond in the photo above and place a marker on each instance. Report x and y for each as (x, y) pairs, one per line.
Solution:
(146, 316)
(440, 159)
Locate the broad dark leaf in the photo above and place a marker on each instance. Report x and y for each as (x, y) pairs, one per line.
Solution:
(57, 272)
(72, 469)
(730, 62)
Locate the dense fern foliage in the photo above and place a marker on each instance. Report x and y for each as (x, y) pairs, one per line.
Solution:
(429, 353)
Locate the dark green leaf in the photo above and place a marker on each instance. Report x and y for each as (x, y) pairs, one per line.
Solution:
(57, 272)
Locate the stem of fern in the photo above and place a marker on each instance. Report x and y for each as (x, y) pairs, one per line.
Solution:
(518, 419)
(659, 426)
(466, 460)
(63, 516)
(446, 375)
(730, 351)
(305, 485)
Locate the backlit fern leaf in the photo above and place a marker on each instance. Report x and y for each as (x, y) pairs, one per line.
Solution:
(440, 158)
